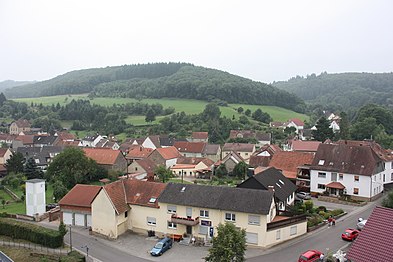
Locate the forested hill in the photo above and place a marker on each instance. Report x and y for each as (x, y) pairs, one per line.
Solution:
(345, 90)
(176, 80)
(11, 83)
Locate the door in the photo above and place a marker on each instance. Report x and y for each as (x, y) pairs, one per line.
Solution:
(67, 218)
(189, 230)
(79, 219)
(252, 238)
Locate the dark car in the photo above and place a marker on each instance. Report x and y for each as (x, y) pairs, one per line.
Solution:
(350, 234)
(310, 256)
(161, 246)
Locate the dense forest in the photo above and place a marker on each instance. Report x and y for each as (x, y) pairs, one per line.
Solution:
(177, 80)
(11, 83)
(346, 91)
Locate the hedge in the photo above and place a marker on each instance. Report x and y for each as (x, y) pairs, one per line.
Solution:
(30, 232)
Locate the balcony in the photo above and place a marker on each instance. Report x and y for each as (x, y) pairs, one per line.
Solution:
(184, 220)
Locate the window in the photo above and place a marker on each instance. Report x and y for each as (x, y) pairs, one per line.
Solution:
(293, 230)
(190, 173)
(356, 191)
(171, 209)
(321, 162)
(246, 154)
(204, 213)
(254, 220)
(136, 168)
(340, 176)
(203, 230)
(321, 175)
(278, 234)
(126, 214)
(152, 200)
(321, 186)
(230, 217)
(172, 225)
(356, 178)
(151, 221)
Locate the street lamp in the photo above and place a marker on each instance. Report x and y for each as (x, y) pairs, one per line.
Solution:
(70, 239)
(182, 176)
(87, 250)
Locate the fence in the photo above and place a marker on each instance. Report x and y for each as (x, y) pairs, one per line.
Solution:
(286, 222)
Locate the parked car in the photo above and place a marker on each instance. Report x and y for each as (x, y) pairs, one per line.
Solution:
(350, 234)
(361, 223)
(161, 246)
(303, 195)
(310, 256)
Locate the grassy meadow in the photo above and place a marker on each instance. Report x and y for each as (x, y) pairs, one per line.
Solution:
(187, 105)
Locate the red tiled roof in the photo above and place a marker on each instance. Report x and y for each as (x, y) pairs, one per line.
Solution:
(305, 146)
(382, 153)
(288, 162)
(200, 135)
(140, 192)
(26, 139)
(374, 243)
(194, 161)
(256, 161)
(189, 147)
(138, 152)
(168, 152)
(297, 121)
(66, 136)
(116, 193)
(276, 124)
(238, 147)
(103, 156)
(336, 185)
(80, 196)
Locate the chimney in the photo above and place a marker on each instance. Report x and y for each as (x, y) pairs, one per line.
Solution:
(271, 188)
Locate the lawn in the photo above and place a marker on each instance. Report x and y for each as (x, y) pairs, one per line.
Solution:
(189, 106)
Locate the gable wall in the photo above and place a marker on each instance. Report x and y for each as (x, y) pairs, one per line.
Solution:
(103, 216)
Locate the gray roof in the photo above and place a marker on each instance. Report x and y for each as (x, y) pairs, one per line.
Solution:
(35, 180)
(253, 201)
(43, 154)
(283, 187)
(211, 149)
(44, 140)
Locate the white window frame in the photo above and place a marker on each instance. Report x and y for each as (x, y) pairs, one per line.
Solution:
(358, 179)
(321, 175)
(204, 213)
(171, 209)
(278, 234)
(232, 217)
(323, 187)
(171, 225)
(151, 221)
(254, 220)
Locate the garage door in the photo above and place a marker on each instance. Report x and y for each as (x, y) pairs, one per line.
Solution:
(79, 219)
(252, 238)
(88, 219)
(67, 218)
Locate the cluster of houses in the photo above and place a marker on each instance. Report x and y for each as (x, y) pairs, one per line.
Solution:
(358, 169)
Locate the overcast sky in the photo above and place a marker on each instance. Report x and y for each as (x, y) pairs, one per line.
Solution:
(261, 40)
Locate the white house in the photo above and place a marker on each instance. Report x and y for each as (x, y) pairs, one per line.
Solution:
(351, 168)
(35, 197)
(296, 123)
(90, 141)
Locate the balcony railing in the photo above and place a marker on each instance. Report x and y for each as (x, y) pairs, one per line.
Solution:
(184, 220)
(290, 221)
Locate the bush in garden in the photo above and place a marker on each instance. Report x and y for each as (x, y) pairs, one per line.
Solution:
(309, 206)
(336, 212)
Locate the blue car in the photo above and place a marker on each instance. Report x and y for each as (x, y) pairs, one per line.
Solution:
(161, 246)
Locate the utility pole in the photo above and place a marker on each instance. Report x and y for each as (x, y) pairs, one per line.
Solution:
(70, 239)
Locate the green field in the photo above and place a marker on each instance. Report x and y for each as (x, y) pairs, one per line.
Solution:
(186, 105)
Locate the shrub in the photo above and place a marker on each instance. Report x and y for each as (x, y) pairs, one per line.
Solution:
(309, 206)
(313, 221)
(322, 208)
(30, 232)
(336, 212)
(73, 256)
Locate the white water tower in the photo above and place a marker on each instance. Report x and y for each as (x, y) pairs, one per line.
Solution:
(35, 197)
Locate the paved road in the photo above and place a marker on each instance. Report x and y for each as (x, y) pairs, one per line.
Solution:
(325, 239)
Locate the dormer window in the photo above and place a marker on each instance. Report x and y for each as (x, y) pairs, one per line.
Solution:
(152, 200)
(321, 162)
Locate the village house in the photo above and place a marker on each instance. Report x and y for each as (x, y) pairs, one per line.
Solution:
(44, 140)
(6, 139)
(190, 149)
(142, 169)
(261, 138)
(137, 153)
(296, 123)
(111, 160)
(151, 142)
(75, 206)
(302, 146)
(188, 167)
(90, 141)
(284, 189)
(262, 156)
(106, 143)
(244, 150)
(199, 137)
(42, 156)
(229, 161)
(353, 169)
(20, 126)
(212, 151)
(165, 156)
(22, 140)
(5, 154)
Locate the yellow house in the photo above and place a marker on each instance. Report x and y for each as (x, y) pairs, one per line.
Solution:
(178, 209)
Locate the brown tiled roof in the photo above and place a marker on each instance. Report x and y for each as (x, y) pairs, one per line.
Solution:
(3, 151)
(336, 185)
(374, 243)
(344, 158)
(194, 161)
(66, 136)
(7, 136)
(276, 124)
(80, 196)
(305, 146)
(26, 139)
(138, 152)
(382, 153)
(297, 121)
(148, 165)
(232, 155)
(241, 133)
(256, 161)
(67, 143)
(117, 194)
(22, 123)
(288, 162)
(103, 156)
(200, 135)
(238, 147)
(211, 149)
(190, 147)
(168, 152)
(155, 140)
